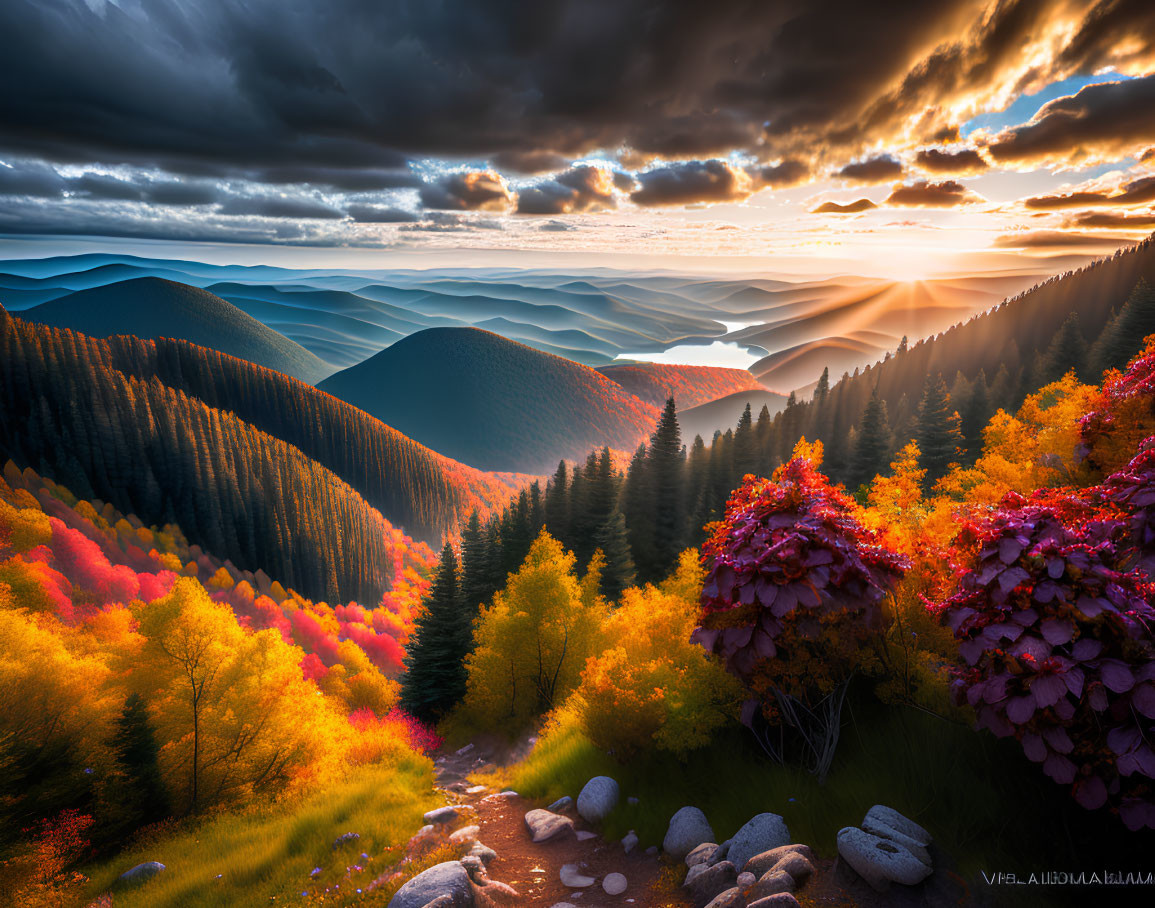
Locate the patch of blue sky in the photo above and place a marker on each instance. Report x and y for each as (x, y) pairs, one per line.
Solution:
(1026, 106)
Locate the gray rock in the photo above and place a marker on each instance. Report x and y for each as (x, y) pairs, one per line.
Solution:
(746, 879)
(442, 901)
(466, 835)
(477, 789)
(880, 861)
(720, 852)
(731, 898)
(615, 884)
(544, 825)
(763, 832)
(597, 799)
(572, 876)
(474, 866)
(771, 883)
(466, 749)
(349, 838)
(448, 880)
(700, 854)
(630, 841)
(874, 827)
(767, 860)
(780, 900)
(652, 850)
(141, 873)
(561, 804)
(584, 835)
(484, 852)
(797, 865)
(688, 829)
(886, 816)
(704, 882)
(441, 815)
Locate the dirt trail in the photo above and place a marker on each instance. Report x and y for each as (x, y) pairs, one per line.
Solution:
(532, 869)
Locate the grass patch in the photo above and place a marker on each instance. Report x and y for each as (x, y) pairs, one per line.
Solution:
(255, 856)
(985, 804)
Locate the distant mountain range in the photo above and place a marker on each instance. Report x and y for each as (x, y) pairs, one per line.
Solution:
(795, 327)
(152, 307)
(491, 402)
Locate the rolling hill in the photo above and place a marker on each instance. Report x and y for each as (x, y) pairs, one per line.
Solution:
(724, 413)
(690, 386)
(491, 402)
(152, 307)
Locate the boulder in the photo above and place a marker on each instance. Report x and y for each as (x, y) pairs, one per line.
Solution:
(771, 883)
(442, 901)
(767, 860)
(705, 882)
(886, 816)
(779, 900)
(466, 835)
(615, 884)
(720, 852)
(484, 852)
(141, 873)
(630, 841)
(763, 832)
(893, 835)
(561, 804)
(572, 876)
(544, 825)
(688, 829)
(441, 815)
(449, 880)
(597, 799)
(880, 861)
(731, 898)
(797, 865)
(700, 854)
(348, 838)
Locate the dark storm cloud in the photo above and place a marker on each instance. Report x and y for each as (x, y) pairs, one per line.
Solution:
(878, 169)
(854, 207)
(530, 162)
(380, 214)
(476, 190)
(1136, 192)
(1107, 121)
(347, 180)
(582, 188)
(963, 161)
(280, 208)
(30, 178)
(211, 86)
(782, 175)
(925, 194)
(687, 182)
(144, 189)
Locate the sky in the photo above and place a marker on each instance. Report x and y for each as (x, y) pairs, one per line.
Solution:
(902, 139)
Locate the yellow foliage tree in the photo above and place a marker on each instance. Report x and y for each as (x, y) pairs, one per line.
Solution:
(532, 642)
(652, 686)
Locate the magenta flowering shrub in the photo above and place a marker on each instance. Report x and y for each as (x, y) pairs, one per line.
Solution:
(1057, 642)
(1132, 490)
(794, 585)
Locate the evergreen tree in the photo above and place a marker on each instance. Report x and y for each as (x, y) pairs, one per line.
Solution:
(872, 443)
(745, 450)
(557, 503)
(636, 505)
(937, 431)
(976, 413)
(1067, 351)
(1123, 335)
(476, 588)
(822, 389)
(618, 572)
(666, 463)
(137, 754)
(434, 679)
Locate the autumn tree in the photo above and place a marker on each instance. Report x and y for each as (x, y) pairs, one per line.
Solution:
(532, 642)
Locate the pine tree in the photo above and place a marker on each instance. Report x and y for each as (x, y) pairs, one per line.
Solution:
(137, 753)
(745, 451)
(937, 431)
(637, 506)
(976, 413)
(666, 463)
(1123, 335)
(476, 588)
(619, 571)
(872, 443)
(557, 503)
(822, 389)
(434, 679)
(1067, 351)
